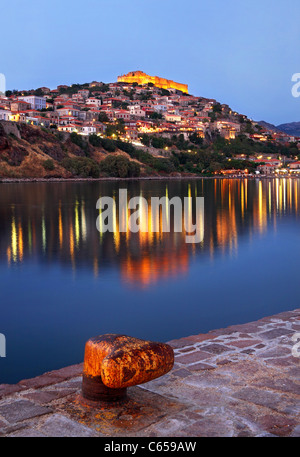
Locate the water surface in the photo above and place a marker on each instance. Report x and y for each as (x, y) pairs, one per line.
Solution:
(63, 282)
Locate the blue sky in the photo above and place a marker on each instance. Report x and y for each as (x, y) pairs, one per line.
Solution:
(240, 53)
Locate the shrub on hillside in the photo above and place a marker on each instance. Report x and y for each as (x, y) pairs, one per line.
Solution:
(48, 164)
(141, 156)
(105, 143)
(108, 145)
(126, 147)
(95, 140)
(119, 167)
(79, 141)
(82, 167)
(164, 165)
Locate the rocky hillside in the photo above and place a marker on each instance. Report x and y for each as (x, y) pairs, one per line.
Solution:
(31, 152)
(35, 152)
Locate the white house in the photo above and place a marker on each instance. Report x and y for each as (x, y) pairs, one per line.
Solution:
(5, 115)
(93, 101)
(68, 112)
(35, 101)
(137, 111)
(161, 108)
(172, 117)
(68, 128)
(88, 130)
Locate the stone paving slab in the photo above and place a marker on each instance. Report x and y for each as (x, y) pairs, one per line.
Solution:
(240, 381)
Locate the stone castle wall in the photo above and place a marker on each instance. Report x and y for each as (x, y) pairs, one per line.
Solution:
(142, 78)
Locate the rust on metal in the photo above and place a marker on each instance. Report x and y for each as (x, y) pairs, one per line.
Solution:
(114, 362)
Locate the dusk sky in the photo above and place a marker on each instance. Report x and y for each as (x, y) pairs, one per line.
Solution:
(240, 53)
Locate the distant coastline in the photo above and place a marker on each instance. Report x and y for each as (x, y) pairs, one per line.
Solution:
(140, 178)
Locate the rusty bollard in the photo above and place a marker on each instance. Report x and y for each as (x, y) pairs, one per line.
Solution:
(114, 362)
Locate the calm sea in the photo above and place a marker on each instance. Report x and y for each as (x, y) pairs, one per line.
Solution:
(63, 282)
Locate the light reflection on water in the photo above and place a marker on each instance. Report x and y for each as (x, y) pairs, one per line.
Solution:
(60, 276)
(58, 222)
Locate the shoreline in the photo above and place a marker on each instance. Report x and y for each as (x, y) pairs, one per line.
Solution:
(140, 178)
(242, 380)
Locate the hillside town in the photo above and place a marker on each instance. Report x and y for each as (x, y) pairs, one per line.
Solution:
(139, 107)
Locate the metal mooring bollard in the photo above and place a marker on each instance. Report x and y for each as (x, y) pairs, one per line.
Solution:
(114, 362)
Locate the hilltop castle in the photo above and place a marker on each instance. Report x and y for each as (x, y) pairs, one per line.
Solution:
(142, 78)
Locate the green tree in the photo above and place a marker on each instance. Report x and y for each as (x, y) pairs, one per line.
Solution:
(48, 164)
(212, 116)
(95, 140)
(108, 145)
(116, 129)
(145, 139)
(157, 142)
(217, 108)
(38, 92)
(164, 92)
(156, 115)
(103, 117)
(83, 167)
(196, 139)
(249, 128)
(119, 167)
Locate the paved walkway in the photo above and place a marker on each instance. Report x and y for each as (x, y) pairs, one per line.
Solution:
(240, 381)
